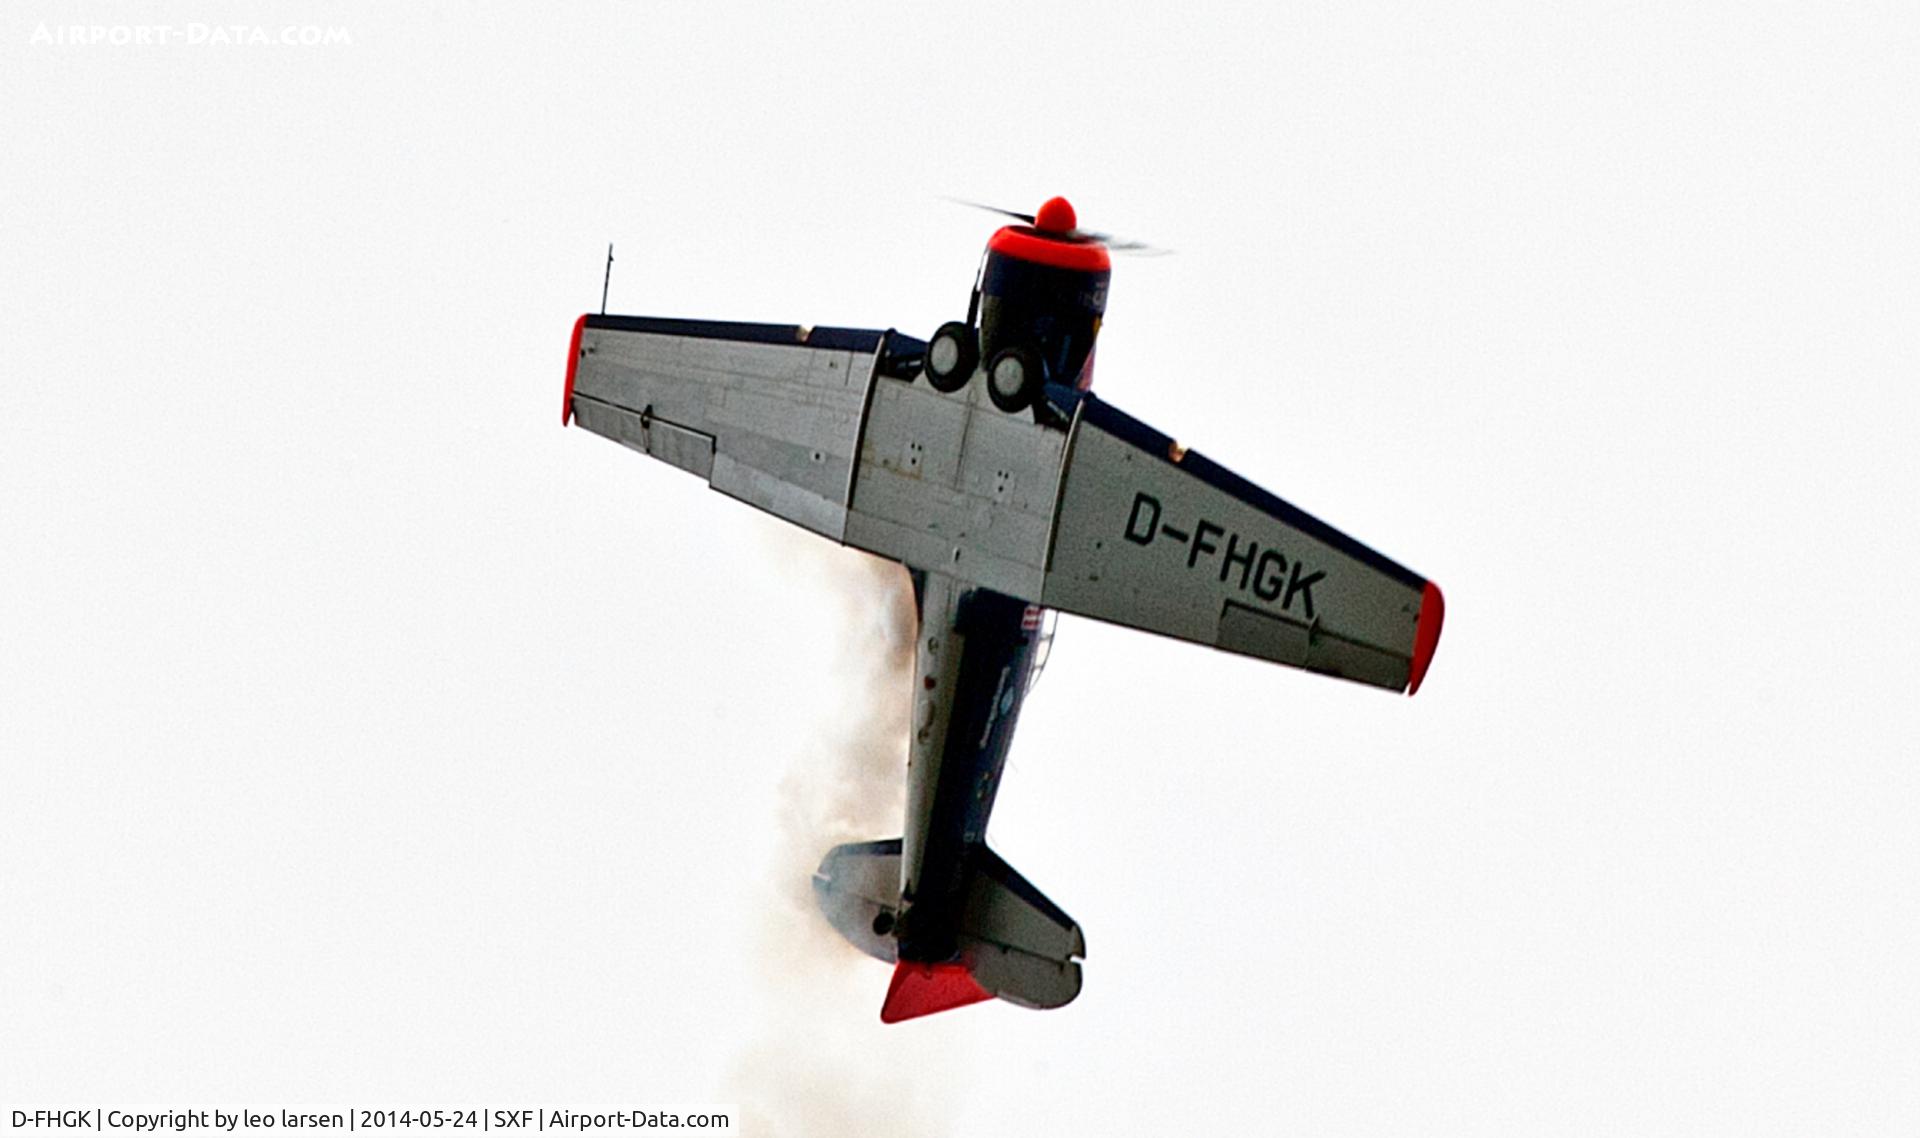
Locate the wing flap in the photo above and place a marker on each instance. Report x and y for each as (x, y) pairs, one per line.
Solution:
(671, 443)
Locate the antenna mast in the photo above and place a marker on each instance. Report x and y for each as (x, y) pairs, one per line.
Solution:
(608, 282)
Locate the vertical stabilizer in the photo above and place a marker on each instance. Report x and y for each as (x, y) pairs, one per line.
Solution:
(922, 989)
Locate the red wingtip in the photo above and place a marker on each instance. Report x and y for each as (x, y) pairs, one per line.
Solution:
(1426, 634)
(922, 989)
(573, 367)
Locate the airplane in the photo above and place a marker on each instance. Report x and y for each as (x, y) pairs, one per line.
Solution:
(982, 461)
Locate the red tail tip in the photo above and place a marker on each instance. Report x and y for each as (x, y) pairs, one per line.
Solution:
(922, 989)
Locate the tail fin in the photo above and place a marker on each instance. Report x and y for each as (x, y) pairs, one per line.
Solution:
(1014, 943)
(923, 989)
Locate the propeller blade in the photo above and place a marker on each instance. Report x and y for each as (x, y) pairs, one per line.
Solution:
(1121, 244)
(1026, 217)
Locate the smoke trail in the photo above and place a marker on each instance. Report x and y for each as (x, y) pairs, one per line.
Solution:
(821, 1064)
(851, 783)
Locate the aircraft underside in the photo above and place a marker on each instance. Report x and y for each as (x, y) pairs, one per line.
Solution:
(982, 459)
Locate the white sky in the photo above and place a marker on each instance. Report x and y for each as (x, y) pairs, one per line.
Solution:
(368, 738)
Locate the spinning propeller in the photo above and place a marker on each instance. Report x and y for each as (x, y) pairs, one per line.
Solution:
(1057, 219)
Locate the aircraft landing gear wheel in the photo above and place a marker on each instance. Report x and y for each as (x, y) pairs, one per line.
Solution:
(1013, 379)
(952, 355)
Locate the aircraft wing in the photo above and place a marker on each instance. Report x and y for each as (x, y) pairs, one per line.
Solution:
(766, 413)
(828, 428)
(1156, 537)
(1109, 518)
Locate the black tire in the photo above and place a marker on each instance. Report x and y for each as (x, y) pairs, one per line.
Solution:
(1014, 391)
(957, 347)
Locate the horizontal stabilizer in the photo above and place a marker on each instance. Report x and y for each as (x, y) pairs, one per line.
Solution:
(1018, 944)
(858, 890)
